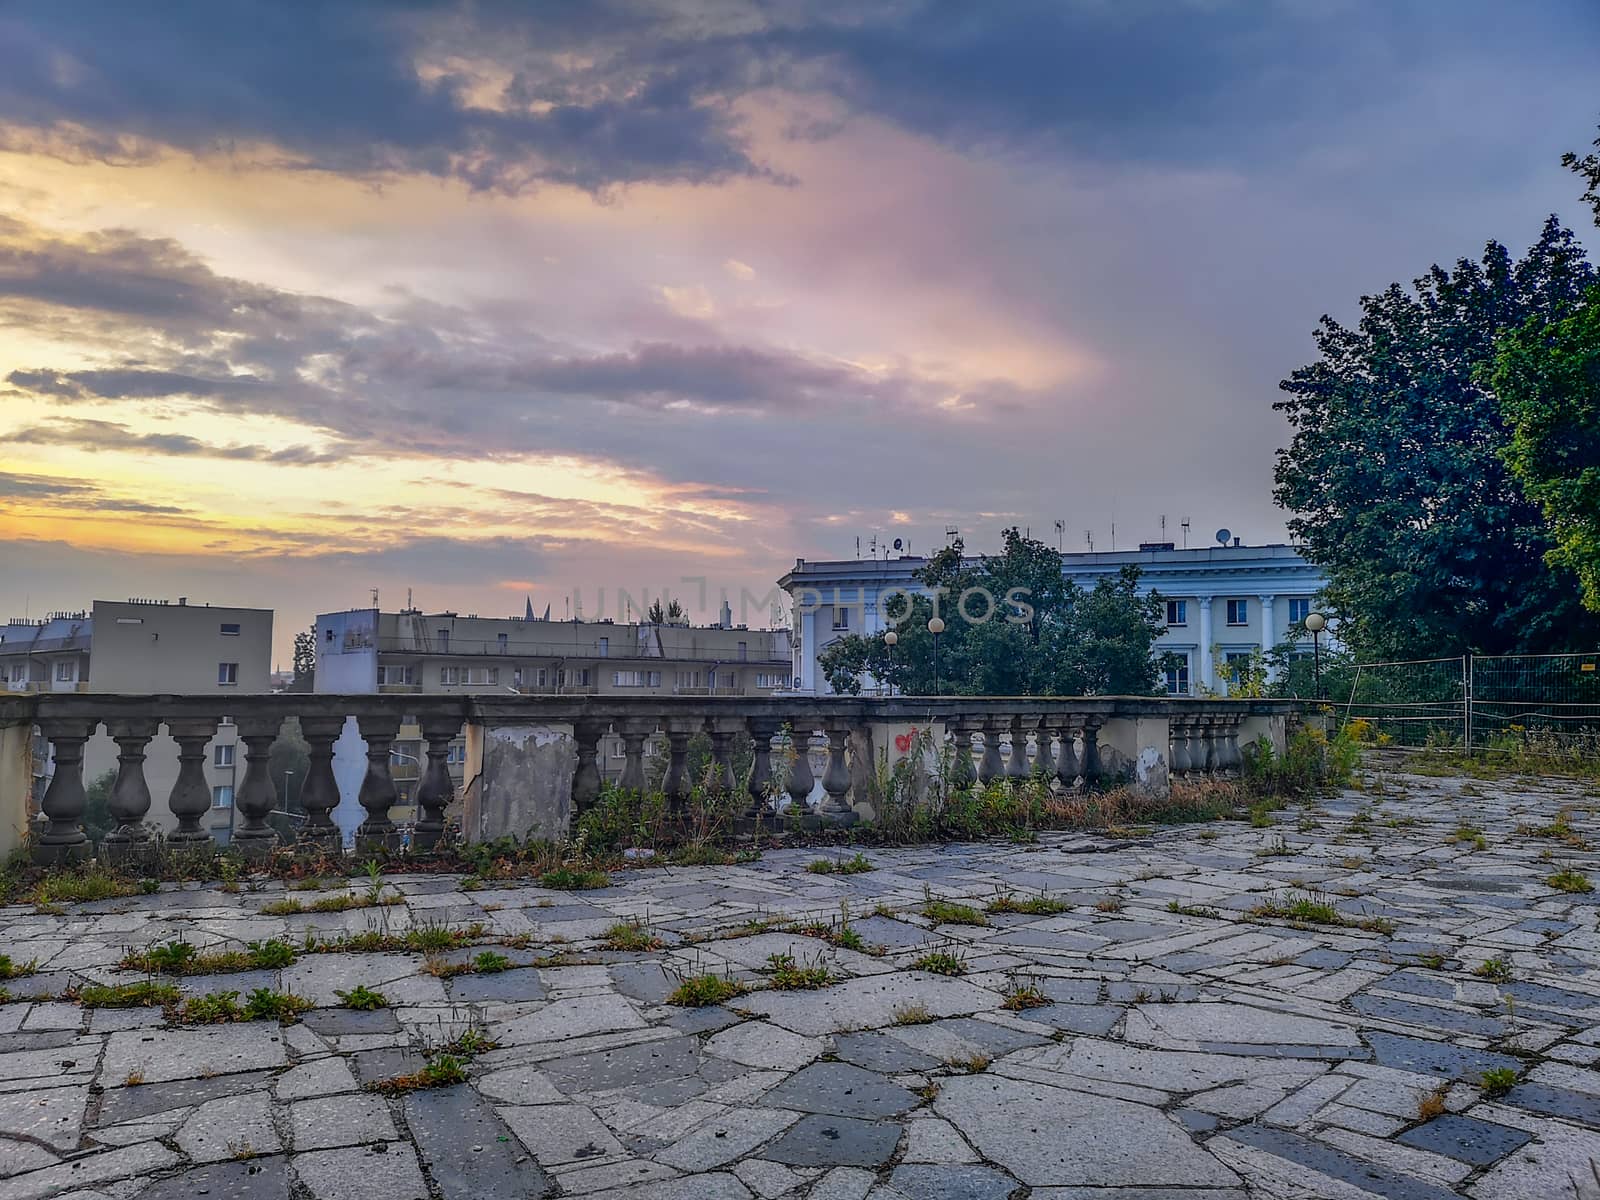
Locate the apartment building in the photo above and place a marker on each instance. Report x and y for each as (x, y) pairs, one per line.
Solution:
(1223, 603)
(146, 646)
(363, 651)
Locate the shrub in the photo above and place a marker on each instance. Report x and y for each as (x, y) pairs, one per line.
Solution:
(699, 991)
(264, 1004)
(944, 912)
(362, 998)
(785, 975)
(940, 962)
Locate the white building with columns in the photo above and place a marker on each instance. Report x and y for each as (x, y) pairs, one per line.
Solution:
(1223, 602)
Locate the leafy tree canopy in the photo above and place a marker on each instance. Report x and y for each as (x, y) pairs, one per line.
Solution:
(1014, 626)
(1396, 475)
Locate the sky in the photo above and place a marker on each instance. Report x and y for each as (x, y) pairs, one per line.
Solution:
(497, 300)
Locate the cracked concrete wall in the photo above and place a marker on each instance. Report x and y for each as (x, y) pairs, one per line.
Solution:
(523, 783)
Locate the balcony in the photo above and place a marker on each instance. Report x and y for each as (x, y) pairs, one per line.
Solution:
(532, 761)
(582, 652)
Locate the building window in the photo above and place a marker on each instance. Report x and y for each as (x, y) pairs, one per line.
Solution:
(456, 755)
(744, 651)
(444, 639)
(228, 673)
(686, 679)
(605, 647)
(1177, 612)
(469, 675)
(222, 796)
(1238, 612)
(732, 680)
(1178, 679)
(1240, 661)
(500, 639)
(392, 674)
(230, 629)
(1299, 610)
(627, 679)
(447, 675)
(222, 755)
(66, 671)
(766, 679)
(543, 677)
(841, 617)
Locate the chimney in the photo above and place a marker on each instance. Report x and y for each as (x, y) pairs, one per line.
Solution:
(182, 600)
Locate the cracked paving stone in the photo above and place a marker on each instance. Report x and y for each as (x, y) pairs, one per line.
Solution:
(830, 1141)
(391, 1173)
(556, 1134)
(468, 1150)
(1466, 1139)
(1435, 1058)
(602, 1070)
(842, 1090)
(925, 1182)
(257, 1179)
(1336, 1164)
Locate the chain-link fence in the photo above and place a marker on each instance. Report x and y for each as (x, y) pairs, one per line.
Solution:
(1479, 702)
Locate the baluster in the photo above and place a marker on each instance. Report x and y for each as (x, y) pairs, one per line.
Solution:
(1230, 742)
(130, 794)
(1092, 768)
(1043, 762)
(256, 795)
(990, 766)
(1017, 762)
(378, 793)
(836, 779)
(319, 794)
(721, 731)
(435, 790)
(801, 780)
(759, 784)
(586, 779)
(1206, 760)
(63, 802)
(191, 794)
(1178, 735)
(676, 783)
(634, 732)
(1066, 757)
(962, 774)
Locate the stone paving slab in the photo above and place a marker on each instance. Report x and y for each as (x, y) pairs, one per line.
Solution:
(1176, 1046)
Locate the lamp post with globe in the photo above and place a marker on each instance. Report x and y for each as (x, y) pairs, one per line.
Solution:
(936, 627)
(1315, 624)
(890, 639)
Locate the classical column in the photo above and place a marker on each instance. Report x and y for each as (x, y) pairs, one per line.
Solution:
(836, 779)
(634, 732)
(990, 766)
(435, 790)
(1208, 677)
(676, 782)
(191, 794)
(256, 795)
(130, 794)
(1091, 749)
(319, 794)
(721, 732)
(1067, 769)
(801, 780)
(586, 779)
(1267, 625)
(1017, 760)
(962, 774)
(378, 793)
(64, 800)
(1178, 734)
(759, 785)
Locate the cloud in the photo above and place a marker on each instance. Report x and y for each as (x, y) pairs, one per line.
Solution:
(114, 436)
(68, 493)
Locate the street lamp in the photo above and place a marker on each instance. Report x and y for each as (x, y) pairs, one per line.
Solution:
(889, 640)
(936, 627)
(1316, 623)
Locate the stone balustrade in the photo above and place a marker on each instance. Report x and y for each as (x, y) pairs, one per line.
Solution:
(532, 761)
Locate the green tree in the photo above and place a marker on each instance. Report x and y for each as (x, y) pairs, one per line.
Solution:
(1013, 627)
(1396, 477)
(305, 661)
(97, 818)
(1547, 375)
(657, 615)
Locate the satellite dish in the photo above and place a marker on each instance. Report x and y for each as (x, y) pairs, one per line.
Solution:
(1224, 536)
(899, 544)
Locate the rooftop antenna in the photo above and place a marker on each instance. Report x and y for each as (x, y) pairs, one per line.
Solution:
(1185, 524)
(374, 597)
(951, 533)
(858, 545)
(1163, 527)
(1088, 536)
(1061, 537)
(408, 599)
(1113, 536)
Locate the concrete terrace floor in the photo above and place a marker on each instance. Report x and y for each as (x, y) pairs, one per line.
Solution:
(1181, 1054)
